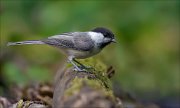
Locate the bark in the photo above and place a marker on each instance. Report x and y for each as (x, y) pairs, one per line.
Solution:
(83, 90)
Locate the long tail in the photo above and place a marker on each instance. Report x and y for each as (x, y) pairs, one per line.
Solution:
(25, 42)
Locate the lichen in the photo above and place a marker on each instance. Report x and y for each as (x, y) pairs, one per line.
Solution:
(20, 104)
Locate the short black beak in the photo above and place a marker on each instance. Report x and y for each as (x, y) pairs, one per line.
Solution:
(113, 40)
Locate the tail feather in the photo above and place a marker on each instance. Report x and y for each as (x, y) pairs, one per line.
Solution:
(25, 42)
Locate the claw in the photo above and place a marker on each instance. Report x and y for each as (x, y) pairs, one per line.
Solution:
(79, 69)
(82, 70)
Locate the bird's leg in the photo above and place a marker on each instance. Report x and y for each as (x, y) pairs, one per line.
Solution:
(70, 59)
(85, 67)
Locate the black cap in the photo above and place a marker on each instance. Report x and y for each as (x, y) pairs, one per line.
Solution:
(104, 31)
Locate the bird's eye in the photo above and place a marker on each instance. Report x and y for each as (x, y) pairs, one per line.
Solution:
(106, 35)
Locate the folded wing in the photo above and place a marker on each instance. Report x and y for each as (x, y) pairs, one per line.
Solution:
(74, 40)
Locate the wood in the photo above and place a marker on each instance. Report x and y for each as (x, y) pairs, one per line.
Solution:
(82, 90)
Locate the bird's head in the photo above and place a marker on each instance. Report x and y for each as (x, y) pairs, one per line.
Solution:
(108, 36)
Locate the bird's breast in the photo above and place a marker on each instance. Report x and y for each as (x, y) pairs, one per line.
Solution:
(82, 54)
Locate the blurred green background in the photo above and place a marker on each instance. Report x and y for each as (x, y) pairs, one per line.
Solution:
(146, 57)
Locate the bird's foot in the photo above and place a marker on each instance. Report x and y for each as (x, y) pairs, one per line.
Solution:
(79, 69)
(85, 67)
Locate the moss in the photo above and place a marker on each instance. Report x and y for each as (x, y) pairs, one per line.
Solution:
(69, 65)
(95, 63)
(100, 71)
(75, 87)
(96, 84)
(77, 84)
(101, 82)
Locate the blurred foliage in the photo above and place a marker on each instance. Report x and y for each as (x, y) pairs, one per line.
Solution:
(146, 57)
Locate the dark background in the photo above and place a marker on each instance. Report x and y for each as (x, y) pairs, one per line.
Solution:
(146, 57)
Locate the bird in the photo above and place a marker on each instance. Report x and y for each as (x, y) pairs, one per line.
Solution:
(77, 45)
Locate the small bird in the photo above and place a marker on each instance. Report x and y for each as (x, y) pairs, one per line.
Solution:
(77, 45)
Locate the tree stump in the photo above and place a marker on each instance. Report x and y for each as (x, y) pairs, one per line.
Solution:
(84, 90)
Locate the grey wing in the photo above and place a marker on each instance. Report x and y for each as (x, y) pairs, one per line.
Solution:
(60, 41)
(73, 40)
(83, 42)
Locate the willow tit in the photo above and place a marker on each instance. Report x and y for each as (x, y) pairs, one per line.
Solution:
(77, 45)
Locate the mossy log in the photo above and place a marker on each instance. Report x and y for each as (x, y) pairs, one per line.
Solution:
(84, 90)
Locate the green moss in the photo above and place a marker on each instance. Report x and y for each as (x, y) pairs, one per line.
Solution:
(96, 84)
(69, 65)
(100, 82)
(100, 71)
(77, 84)
(95, 63)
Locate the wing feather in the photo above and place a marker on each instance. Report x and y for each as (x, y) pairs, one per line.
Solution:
(73, 40)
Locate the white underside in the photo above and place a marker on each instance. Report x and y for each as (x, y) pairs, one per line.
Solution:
(79, 54)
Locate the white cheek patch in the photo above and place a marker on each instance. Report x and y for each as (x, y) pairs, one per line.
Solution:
(107, 40)
(97, 37)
